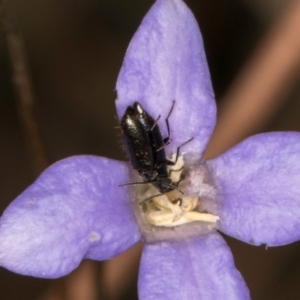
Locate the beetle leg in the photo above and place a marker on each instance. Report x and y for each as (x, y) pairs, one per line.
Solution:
(172, 163)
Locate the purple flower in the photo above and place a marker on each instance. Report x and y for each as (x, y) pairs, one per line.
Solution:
(76, 210)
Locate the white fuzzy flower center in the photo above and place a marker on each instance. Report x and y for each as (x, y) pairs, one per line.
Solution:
(174, 208)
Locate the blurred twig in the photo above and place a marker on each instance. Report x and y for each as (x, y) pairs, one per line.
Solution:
(121, 272)
(81, 284)
(23, 88)
(258, 91)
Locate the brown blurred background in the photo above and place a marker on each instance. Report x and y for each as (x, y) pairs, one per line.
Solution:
(75, 49)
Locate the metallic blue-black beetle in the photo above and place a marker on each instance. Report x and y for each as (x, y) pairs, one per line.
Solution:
(145, 147)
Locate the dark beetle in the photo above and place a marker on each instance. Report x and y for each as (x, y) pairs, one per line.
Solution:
(146, 147)
(137, 143)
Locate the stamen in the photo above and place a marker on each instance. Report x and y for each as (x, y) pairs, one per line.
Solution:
(173, 209)
(163, 218)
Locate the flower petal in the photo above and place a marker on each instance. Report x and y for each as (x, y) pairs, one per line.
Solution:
(197, 268)
(166, 61)
(259, 186)
(75, 209)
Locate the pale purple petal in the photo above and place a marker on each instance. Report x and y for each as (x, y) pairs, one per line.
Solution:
(259, 186)
(75, 209)
(200, 268)
(166, 61)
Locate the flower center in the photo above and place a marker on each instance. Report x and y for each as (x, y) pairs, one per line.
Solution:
(193, 201)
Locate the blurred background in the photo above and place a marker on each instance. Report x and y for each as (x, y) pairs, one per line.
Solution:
(75, 49)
